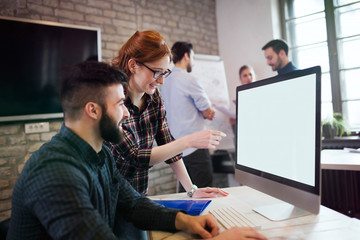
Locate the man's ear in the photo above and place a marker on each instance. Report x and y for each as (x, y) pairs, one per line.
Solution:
(186, 56)
(282, 53)
(93, 110)
(132, 65)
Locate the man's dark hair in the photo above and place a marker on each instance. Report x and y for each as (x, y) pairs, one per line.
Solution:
(179, 49)
(86, 82)
(277, 45)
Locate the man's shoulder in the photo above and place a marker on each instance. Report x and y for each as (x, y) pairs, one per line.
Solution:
(290, 67)
(179, 80)
(54, 160)
(59, 144)
(180, 73)
(57, 150)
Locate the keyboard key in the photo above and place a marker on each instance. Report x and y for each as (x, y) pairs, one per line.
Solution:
(229, 217)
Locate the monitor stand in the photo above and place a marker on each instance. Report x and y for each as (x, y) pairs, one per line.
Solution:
(281, 211)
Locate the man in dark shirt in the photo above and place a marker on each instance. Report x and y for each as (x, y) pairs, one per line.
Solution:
(71, 189)
(276, 54)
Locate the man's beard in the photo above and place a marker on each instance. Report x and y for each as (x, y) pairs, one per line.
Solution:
(278, 65)
(109, 130)
(188, 68)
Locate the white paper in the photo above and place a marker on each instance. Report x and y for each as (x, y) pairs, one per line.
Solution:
(352, 150)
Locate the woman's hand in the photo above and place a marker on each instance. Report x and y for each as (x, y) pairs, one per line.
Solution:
(206, 139)
(209, 192)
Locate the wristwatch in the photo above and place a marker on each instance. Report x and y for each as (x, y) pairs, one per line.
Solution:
(192, 191)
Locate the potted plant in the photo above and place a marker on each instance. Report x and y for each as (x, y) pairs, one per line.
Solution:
(334, 126)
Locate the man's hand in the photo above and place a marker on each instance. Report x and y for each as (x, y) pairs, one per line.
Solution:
(232, 121)
(204, 225)
(209, 192)
(208, 114)
(239, 233)
(206, 139)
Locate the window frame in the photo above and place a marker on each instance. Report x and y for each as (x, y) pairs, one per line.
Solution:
(332, 42)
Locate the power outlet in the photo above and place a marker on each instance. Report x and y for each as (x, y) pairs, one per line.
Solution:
(37, 127)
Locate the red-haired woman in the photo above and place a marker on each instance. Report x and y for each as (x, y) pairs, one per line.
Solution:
(146, 58)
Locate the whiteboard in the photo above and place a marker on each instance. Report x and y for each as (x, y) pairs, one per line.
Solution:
(210, 71)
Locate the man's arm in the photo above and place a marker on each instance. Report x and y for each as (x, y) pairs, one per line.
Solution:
(208, 113)
(58, 194)
(142, 212)
(200, 99)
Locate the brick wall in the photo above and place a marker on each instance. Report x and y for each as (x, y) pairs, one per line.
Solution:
(15, 148)
(184, 20)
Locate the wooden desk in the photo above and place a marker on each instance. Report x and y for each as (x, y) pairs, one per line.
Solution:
(340, 188)
(328, 224)
(340, 160)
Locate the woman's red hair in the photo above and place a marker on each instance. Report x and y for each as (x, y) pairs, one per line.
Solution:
(145, 46)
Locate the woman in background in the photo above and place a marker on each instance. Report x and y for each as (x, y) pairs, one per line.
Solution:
(246, 74)
(146, 58)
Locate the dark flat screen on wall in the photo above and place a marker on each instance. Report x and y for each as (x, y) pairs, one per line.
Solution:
(34, 56)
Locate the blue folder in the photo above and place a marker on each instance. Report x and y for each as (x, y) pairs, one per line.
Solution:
(192, 207)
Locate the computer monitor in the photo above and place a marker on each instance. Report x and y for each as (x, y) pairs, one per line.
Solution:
(278, 141)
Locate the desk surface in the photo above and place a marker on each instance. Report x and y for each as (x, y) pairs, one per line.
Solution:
(340, 160)
(328, 224)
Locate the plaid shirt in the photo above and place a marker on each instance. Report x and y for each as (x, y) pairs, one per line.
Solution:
(141, 129)
(68, 191)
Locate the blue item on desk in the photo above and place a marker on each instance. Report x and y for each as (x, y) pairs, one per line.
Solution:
(192, 207)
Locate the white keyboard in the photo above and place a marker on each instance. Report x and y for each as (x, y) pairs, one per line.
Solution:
(228, 217)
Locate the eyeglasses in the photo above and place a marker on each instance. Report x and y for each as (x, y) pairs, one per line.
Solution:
(158, 74)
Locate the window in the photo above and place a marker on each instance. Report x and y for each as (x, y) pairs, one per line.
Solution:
(327, 33)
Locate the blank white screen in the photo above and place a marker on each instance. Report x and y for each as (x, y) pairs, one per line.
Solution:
(276, 128)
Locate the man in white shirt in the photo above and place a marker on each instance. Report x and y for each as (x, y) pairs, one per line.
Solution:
(187, 107)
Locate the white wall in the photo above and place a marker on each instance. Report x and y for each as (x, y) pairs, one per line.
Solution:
(244, 27)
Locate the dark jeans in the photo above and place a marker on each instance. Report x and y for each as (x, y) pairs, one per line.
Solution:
(199, 166)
